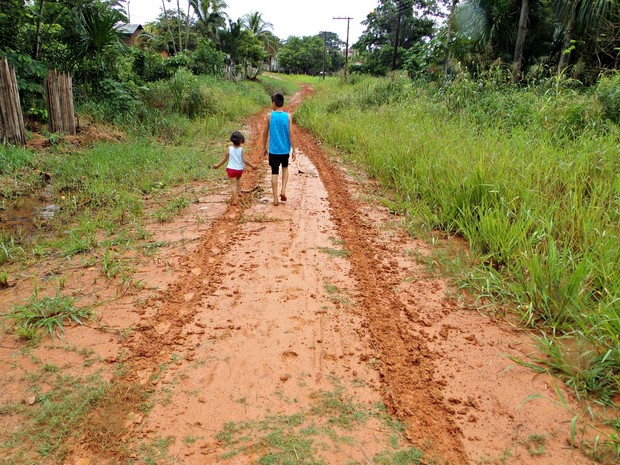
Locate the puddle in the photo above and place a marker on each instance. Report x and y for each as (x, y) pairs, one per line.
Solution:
(28, 213)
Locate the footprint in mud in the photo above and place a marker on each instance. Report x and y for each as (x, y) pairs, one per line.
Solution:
(289, 356)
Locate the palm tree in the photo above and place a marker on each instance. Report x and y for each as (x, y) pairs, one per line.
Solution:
(489, 23)
(254, 22)
(580, 17)
(211, 17)
(520, 42)
(263, 31)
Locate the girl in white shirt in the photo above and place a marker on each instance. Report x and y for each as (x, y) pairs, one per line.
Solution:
(236, 163)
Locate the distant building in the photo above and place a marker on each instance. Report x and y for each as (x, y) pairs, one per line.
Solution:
(130, 32)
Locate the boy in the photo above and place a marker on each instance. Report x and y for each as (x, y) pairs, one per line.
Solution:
(278, 131)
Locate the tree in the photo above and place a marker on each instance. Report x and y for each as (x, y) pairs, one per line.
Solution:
(97, 49)
(262, 29)
(393, 27)
(254, 22)
(211, 17)
(241, 45)
(303, 55)
(334, 47)
(166, 34)
(520, 41)
(586, 19)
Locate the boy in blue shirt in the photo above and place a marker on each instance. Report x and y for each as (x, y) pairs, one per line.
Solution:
(278, 132)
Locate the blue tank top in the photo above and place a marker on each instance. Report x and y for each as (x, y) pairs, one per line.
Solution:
(279, 136)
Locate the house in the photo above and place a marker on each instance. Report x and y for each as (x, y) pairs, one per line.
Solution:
(129, 32)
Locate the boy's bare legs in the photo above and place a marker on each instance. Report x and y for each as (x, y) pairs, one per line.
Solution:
(284, 182)
(274, 187)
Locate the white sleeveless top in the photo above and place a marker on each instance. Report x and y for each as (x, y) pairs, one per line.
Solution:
(235, 160)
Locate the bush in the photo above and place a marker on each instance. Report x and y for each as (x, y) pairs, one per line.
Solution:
(207, 60)
(117, 102)
(149, 66)
(182, 94)
(608, 94)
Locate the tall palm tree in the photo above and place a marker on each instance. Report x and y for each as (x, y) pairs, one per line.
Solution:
(520, 42)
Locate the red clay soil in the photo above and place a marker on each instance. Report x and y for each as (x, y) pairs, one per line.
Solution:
(259, 307)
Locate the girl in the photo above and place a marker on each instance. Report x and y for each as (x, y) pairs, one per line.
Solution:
(236, 162)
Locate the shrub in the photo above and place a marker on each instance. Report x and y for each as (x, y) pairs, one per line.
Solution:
(608, 94)
(207, 60)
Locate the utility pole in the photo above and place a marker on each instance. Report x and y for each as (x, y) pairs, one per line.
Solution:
(346, 53)
(324, 53)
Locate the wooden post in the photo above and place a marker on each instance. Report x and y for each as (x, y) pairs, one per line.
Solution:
(59, 101)
(12, 128)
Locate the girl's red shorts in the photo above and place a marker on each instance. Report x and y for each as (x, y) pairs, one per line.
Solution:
(232, 174)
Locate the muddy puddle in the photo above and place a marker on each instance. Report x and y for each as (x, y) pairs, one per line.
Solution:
(26, 215)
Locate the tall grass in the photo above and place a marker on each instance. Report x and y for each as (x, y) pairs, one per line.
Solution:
(531, 178)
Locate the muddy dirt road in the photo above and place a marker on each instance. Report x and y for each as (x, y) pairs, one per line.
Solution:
(276, 334)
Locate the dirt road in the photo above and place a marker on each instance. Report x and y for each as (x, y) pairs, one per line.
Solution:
(280, 332)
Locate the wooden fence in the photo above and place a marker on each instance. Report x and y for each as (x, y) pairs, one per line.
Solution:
(12, 128)
(59, 101)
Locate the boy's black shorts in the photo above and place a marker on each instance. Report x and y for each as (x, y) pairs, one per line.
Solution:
(276, 160)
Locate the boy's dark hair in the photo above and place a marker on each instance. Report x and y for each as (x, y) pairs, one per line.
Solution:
(237, 138)
(278, 99)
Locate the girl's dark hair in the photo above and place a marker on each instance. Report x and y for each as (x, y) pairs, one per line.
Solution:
(237, 138)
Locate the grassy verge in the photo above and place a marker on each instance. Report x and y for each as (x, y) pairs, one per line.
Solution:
(100, 190)
(530, 179)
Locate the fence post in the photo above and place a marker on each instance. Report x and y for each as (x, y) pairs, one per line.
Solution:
(12, 128)
(59, 102)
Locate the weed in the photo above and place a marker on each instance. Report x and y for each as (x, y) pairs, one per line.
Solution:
(156, 451)
(535, 444)
(166, 213)
(57, 415)
(4, 279)
(335, 294)
(334, 252)
(411, 456)
(46, 313)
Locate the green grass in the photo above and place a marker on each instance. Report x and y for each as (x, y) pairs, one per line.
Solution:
(57, 415)
(530, 178)
(299, 438)
(47, 314)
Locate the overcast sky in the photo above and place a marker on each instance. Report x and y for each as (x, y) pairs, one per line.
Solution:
(289, 17)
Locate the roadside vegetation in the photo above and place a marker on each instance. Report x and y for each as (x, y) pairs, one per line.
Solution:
(529, 177)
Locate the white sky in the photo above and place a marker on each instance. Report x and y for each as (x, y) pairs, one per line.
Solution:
(289, 17)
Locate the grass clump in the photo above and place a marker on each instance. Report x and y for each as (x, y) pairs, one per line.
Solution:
(529, 177)
(47, 314)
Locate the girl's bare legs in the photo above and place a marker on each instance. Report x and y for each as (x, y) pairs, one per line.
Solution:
(233, 190)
